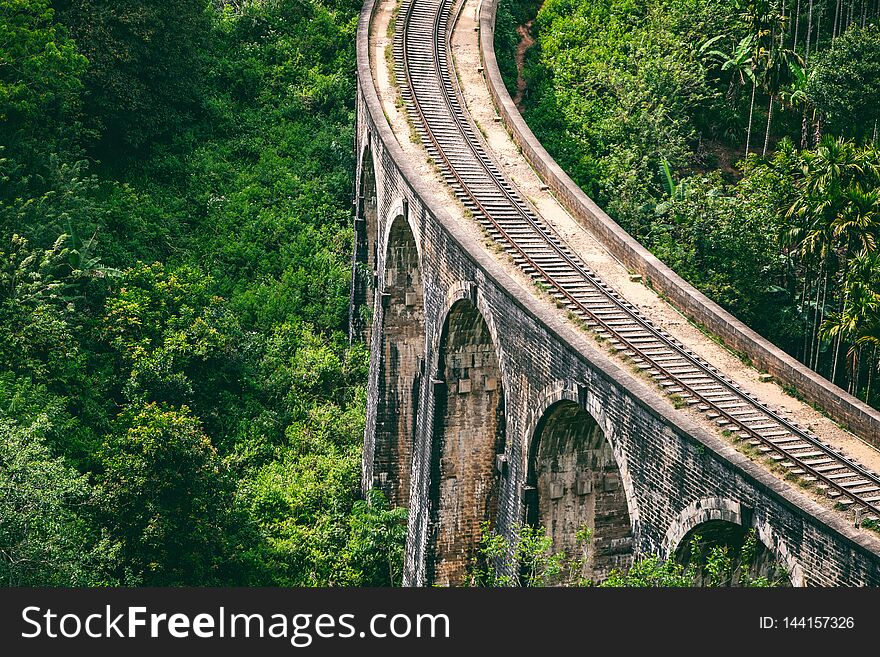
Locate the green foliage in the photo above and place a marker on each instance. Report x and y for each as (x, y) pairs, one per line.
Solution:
(650, 572)
(44, 533)
(374, 551)
(144, 79)
(712, 564)
(844, 84)
(617, 88)
(315, 534)
(530, 560)
(725, 241)
(40, 71)
(709, 565)
(167, 499)
(173, 320)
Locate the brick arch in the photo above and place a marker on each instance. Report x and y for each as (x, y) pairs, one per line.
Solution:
(573, 479)
(398, 209)
(470, 291)
(366, 239)
(401, 360)
(567, 391)
(469, 432)
(707, 510)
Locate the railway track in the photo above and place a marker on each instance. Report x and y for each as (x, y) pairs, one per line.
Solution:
(435, 106)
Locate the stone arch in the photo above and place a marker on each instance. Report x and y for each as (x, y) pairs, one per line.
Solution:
(559, 391)
(722, 521)
(399, 209)
(366, 234)
(573, 481)
(401, 361)
(469, 434)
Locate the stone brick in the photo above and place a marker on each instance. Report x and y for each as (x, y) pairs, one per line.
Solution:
(469, 434)
(403, 347)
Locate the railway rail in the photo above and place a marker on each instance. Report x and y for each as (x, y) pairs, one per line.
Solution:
(433, 101)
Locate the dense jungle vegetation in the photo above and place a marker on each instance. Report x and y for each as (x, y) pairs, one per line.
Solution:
(179, 403)
(737, 139)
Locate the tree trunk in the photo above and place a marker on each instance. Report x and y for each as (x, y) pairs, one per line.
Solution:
(852, 362)
(797, 24)
(836, 20)
(751, 113)
(844, 289)
(809, 32)
(872, 365)
(813, 341)
(804, 129)
(837, 342)
(767, 134)
(805, 356)
(817, 133)
(819, 317)
(857, 370)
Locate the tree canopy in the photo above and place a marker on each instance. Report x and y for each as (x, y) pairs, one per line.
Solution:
(179, 401)
(738, 141)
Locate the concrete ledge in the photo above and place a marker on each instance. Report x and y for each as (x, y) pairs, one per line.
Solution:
(645, 396)
(860, 418)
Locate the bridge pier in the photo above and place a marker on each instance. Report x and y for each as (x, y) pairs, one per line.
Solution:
(401, 362)
(365, 236)
(468, 438)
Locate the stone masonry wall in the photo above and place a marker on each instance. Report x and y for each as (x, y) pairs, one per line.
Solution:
(403, 347)
(468, 433)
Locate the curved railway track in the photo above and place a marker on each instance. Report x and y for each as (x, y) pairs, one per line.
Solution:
(433, 101)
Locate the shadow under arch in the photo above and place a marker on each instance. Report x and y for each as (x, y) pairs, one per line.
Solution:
(366, 238)
(573, 482)
(401, 363)
(468, 434)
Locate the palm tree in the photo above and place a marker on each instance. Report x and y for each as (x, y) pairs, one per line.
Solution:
(783, 63)
(738, 61)
(858, 322)
(765, 22)
(834, 30)
(858, 223)
(838, 206)
(866, 274)
(795, 96)
(841, 327)
(811, 238)
(856, 227)
(809, 32)
(826, 172)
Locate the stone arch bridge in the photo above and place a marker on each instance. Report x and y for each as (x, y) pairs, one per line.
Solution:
(485, 407)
